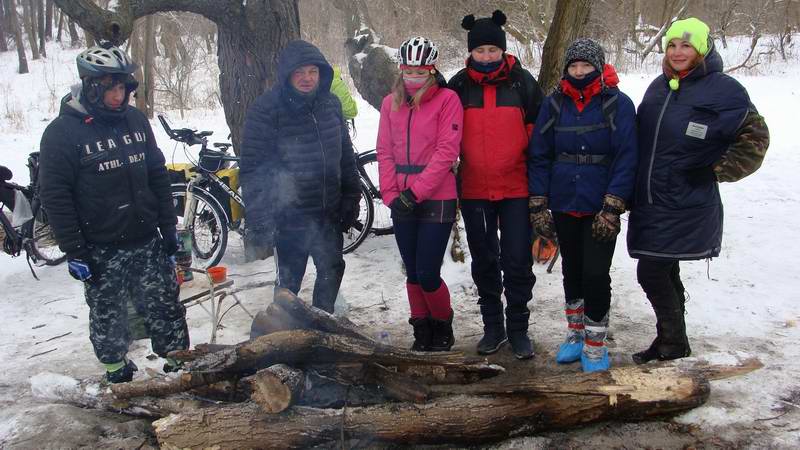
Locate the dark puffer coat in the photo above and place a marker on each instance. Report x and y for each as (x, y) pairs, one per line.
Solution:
(103, 181)
(297, 158)
(681, 131)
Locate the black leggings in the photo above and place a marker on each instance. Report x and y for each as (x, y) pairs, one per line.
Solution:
(585, 264)
(422, 246)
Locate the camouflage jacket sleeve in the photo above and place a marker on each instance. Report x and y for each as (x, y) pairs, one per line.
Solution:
(746, 154)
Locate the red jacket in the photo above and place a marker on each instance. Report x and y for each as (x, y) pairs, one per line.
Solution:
(500, 109)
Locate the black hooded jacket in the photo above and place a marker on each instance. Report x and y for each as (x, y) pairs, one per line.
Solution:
(103, 182)
(297, 158)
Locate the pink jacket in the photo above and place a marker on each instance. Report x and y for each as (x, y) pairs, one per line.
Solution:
(434, 141)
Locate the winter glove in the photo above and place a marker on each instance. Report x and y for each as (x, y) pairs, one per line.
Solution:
(701, 176)
(79, 269)
(348, 212)
(259, 243)
(606, 224)
(405, 203)
(541, 218)
(169, 240)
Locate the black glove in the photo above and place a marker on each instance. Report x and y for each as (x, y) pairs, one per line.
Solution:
(700, 176)
(348, 212)
(259, 243)
(169, 240)
(405, 203)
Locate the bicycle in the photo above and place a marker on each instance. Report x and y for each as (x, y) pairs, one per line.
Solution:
(34, 235)
(202, 212)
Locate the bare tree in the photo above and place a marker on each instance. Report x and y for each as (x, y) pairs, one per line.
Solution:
(679, 7)
(48, 21)
(757, 12)
(568, 24)
(30, 27)
(726, 16)
(250, 36)
(3, 29)
(40, 26)
(16, 30)
(74, 38)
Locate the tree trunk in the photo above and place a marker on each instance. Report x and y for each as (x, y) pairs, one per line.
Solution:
(60, 25)
(13, 19)
(148, 63)
(48, 21)
(30, 27)
(630, 393)
(3, 28)
(74, 38)
(568, 23)
(40, 26)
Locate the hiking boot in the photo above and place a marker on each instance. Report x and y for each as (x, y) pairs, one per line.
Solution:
(122, 375)
(517, 330)
(422, 334)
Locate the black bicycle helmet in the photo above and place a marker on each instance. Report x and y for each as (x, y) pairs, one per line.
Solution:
(102, 60)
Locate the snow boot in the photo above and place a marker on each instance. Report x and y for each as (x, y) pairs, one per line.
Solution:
(442, 338)
(494, 330)
(517, 329)
(671, 341)
(594, 357)
(422, 334)
(122, 375)
(570, 350)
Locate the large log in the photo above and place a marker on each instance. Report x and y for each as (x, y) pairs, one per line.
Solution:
(300, 347)
(160, 387)
(460, 419)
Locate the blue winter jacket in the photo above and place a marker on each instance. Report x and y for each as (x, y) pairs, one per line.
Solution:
(579, 187)
(297, 158)
(681, 130)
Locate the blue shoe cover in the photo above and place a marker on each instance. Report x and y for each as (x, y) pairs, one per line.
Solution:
(569, 352)
(595, 365)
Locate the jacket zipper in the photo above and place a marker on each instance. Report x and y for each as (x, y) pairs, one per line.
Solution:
(408, 145)
(653, 153)
(324, 168)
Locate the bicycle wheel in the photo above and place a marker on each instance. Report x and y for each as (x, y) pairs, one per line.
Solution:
(356, 235)
(44, 246)
(382, 215)
(209, 227)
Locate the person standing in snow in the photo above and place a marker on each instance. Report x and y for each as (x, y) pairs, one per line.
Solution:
(581, 166)
(418, 139)
(501, 100)
(107, 195)
(697, 127)
(298, 174)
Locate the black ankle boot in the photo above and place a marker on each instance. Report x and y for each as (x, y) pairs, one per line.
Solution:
(671, 341)
(122, 375)
(494, 331)
(442, 338)
(422, 334)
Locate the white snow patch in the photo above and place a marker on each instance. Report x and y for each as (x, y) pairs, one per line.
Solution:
(52, 386)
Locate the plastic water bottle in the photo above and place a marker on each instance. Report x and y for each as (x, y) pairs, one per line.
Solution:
(382, 337)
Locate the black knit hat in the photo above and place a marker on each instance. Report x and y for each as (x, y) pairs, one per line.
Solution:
(485, 31)
(585, 49)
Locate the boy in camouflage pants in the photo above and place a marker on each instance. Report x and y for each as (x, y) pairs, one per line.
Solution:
(107, 194)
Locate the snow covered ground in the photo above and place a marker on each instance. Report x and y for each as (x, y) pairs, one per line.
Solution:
(743, 304)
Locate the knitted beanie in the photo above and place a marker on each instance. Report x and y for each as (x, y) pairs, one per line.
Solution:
(585, 49)
(485, 31)
(692, 30)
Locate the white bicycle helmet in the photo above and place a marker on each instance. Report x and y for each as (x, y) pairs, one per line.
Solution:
(98, 61)
(418, 51)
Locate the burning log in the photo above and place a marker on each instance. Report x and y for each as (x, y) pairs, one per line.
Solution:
(629, 393)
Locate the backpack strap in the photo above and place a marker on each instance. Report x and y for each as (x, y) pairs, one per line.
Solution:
(555, 111)
(609, 109)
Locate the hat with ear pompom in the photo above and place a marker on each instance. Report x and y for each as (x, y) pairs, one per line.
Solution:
(485, 31)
